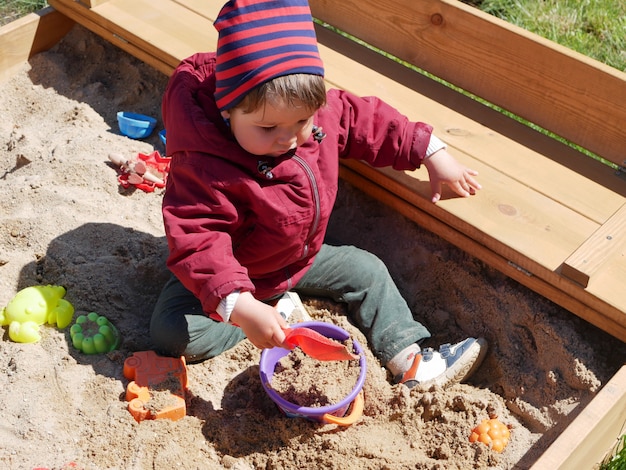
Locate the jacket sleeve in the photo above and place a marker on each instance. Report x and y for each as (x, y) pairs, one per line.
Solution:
(371, 130)
(199, 218)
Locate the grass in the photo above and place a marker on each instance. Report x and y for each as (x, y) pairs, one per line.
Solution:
(596, 28)
(616, 457)
(13, 9)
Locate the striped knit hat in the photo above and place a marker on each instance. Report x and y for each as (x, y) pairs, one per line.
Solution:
(260, 40)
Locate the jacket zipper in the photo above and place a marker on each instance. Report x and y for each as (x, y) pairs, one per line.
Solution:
(316, 201)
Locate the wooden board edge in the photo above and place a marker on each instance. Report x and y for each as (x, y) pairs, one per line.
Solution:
(93, 3)
(586, 440)
(93, 22)
(604, 243)
(29, 35)
(535, 267)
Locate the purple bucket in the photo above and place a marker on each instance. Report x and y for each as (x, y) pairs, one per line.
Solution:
(325, 414)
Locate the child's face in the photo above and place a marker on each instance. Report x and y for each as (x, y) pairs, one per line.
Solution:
(271, 130)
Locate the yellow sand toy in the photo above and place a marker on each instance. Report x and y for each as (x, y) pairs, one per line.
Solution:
(32, 307)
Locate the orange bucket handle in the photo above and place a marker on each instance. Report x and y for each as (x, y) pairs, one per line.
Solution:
(355, 413)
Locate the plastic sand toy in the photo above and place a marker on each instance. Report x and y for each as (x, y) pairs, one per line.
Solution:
(344, 413)
(146, 171)
(134, 125)
(317, 345)
(32, 307)
(157, 387)
(492, 433)
(94, 334)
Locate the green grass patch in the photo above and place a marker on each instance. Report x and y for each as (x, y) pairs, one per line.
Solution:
(595, 28)
(13, 9)
(616, 458)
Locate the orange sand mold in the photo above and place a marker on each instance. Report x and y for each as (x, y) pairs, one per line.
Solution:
(155, 376)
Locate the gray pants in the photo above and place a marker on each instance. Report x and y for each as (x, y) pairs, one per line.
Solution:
(344, 274)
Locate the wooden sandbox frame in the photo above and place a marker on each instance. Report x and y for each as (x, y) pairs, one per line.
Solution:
(549, 217)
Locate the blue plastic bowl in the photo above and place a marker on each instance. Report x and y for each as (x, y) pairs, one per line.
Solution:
(135, 126)
(162, 136)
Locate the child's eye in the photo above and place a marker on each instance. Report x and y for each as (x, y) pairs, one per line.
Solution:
(268, 129)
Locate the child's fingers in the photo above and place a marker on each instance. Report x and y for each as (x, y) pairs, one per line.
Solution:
(461, 188)
(465, 186)
(435, 190)
(278, 338)
(473, 183)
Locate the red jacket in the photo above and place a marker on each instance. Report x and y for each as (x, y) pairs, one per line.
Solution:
(228, 225)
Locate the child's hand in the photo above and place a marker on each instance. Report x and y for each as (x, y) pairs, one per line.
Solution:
(444, 169)
(261, 323)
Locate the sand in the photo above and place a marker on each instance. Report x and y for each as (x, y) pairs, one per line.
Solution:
(306, 381)
(65, 220)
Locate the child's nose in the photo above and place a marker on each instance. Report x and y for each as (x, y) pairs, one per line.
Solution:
(287, 138)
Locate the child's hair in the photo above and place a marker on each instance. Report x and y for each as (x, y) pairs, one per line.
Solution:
(299, 89)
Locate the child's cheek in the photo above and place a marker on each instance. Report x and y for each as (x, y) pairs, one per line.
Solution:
(304, 134)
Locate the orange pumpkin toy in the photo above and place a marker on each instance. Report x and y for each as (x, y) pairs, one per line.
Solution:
(491, 432)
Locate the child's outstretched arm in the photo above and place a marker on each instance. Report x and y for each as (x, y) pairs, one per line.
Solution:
(443, 168)
(261, 323)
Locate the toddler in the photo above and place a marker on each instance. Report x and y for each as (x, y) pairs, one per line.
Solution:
(255, 141)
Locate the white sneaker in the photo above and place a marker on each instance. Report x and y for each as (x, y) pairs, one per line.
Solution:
(450, 365)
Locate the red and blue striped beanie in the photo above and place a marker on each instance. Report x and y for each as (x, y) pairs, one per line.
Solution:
(260, 40)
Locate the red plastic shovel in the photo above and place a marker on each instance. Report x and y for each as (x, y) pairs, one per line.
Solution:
(317, 346)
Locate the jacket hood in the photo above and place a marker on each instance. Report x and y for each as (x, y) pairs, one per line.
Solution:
(192, 120)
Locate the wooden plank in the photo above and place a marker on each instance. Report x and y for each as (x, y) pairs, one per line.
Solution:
(608, 283)
(26, 36)
(158, 33)
(93, 3)
(207, 9)
(594, 431)
(554, 87)
(163, 27)
(85, 17)
(568, 186)
(604, 244)
(519, 250)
